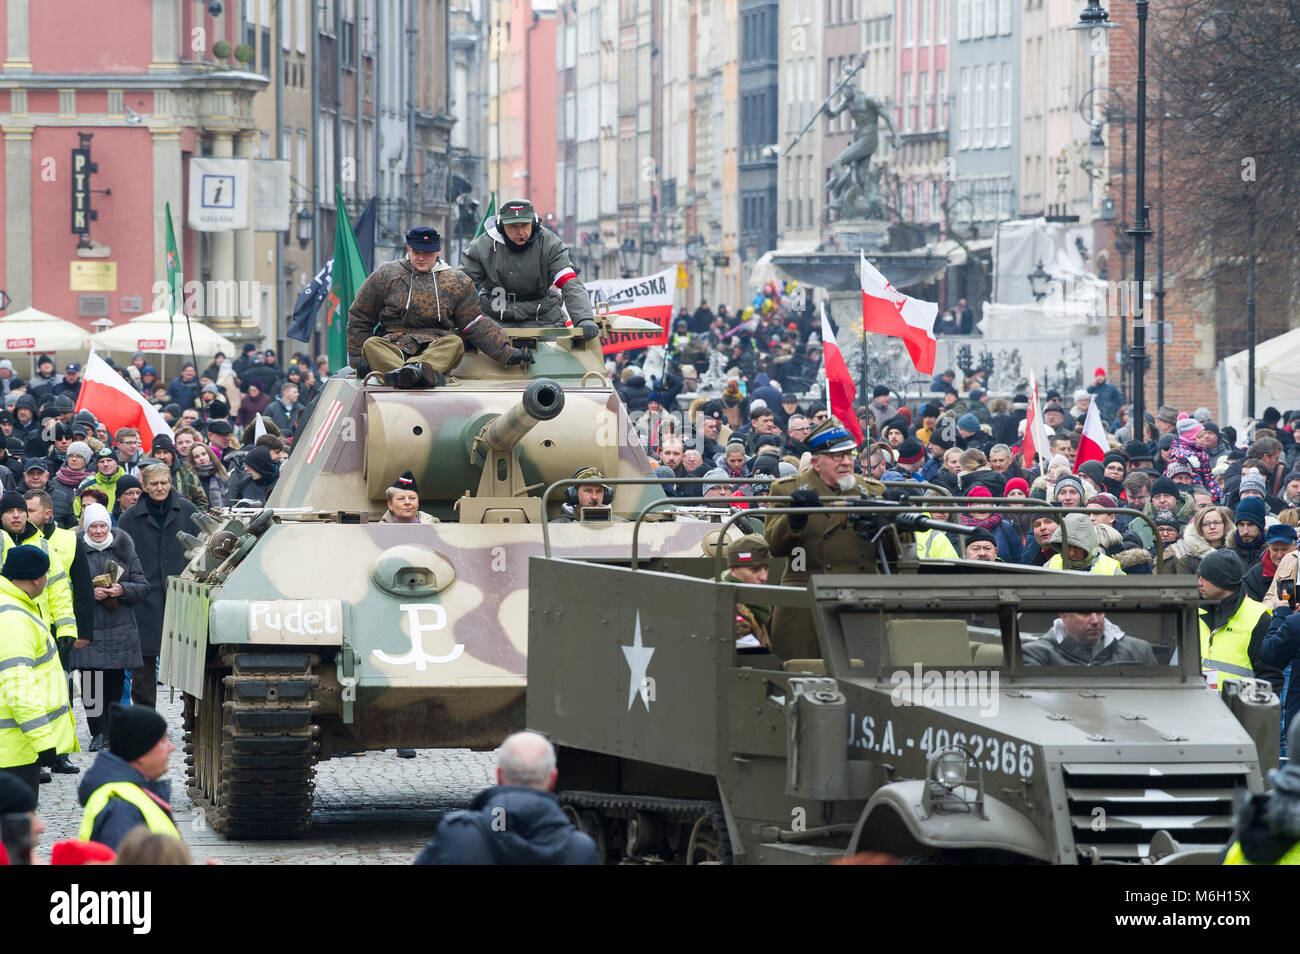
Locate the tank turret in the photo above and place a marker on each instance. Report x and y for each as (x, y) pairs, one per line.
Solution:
(502, 495)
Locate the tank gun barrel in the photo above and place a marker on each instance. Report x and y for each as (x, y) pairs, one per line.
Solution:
(541, 401)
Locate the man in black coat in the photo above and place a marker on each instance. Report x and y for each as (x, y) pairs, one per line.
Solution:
(152, 525)
(516, 822)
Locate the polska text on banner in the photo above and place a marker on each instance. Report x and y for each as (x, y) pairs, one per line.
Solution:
(649, 298)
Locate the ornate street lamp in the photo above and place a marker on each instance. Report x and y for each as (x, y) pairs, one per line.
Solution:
(628, 256)
(306, 226)
(1039, 280)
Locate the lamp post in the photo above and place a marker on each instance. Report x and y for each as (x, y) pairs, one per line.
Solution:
(1092, 18)
(306, 226)
(628, 254)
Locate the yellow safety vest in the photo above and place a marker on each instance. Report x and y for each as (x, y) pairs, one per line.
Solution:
(35, 713)
(1236, 857)
(934, 545)
(56, 601)
(1104, 565)
(64, 543)
(155, 818)
(1227, 650)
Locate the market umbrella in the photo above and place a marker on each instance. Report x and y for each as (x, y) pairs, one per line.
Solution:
(153, 334)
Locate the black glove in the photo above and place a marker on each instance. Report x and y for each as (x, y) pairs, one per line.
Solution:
(802, 498)
(362, 367)
(589, 328)
(47, 758)
(516, 357)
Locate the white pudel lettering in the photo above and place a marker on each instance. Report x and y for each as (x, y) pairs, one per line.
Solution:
(417, 656)
(312, 618)
(74, 907)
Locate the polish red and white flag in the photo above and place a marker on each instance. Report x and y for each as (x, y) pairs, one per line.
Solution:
(839, 383)
(1034, 441)
(105, 394)
(1094, 445)
(887, 311)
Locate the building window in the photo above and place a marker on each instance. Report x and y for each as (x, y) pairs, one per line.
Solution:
(977, 98)
(963, 109)
(977, 18)
(941, 105)
(908, 103)
(909, 22)
(1004, 17)
(927, 105)
(924, 27)
(963, 19)
(941, 22)
(991, 17)
(991, 137)
(1006, 104)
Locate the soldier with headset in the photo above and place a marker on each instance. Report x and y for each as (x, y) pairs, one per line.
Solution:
(587, 502)
(819, 542)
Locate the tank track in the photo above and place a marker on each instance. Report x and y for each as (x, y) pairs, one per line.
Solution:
(250, 744)
(677, 826)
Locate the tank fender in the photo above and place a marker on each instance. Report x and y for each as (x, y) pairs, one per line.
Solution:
(1004, 827)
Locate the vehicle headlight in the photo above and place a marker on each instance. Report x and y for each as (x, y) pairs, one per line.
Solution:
(948, 767)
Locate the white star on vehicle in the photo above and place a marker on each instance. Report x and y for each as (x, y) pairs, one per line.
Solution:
(638, 661)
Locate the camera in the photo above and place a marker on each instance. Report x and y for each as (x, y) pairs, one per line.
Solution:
(1286, 591)
(214, 8)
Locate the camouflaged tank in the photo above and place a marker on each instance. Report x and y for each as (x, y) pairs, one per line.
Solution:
(311, 628)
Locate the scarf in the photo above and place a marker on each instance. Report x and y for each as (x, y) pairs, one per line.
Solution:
(70, 478)
(158, 511)
(1270, 568)
(108, 541)
(988, 522)
(205, 470)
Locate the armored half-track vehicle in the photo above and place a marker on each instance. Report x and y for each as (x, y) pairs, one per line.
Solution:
(313, 627)
(926, 730)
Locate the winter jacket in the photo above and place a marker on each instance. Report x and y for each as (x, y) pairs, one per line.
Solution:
(215, 488)
(285, 419)
(1185, 452)
(411, 309)
(161, 555)
(115, 635)
(62, 496)
(1108, 399)
(96, 479)
(119, 816)
(185, 393)
(244, 487)
(1116, 648)
(1114, 541)
(1184, 556)
(635, 393)
(250, 407)
(537, 278)
(1281, 648)
(509, 825)
(1186, 511)
(187, 484)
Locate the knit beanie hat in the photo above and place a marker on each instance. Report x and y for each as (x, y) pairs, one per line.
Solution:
(1252, 481)
(16, 797)
(259, 459)
(1103, 500)
(13, 500)
(82, 450)
(1163, 485)
(1167, 518)
(25, 563)
(1017, 483)
(1252, 510)
(94, 513)
(133, 730)
(911, 452)
(1069, 480)
(1222, 568)
(1188, 427)
(968, 422)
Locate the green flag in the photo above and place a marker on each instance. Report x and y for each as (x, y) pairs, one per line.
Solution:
(348, 274)
(491, 211)
(175, 280)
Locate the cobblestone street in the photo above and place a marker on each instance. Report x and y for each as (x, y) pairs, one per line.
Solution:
(370, 809)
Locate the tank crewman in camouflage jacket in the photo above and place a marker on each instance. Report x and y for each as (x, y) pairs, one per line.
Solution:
(409, 317)
(523, 272)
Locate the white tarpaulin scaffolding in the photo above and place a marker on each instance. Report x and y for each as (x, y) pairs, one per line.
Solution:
(1277, 382)
(152, 334)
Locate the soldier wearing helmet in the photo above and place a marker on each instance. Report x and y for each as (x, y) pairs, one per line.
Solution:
(587, 502)
(523, 272)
